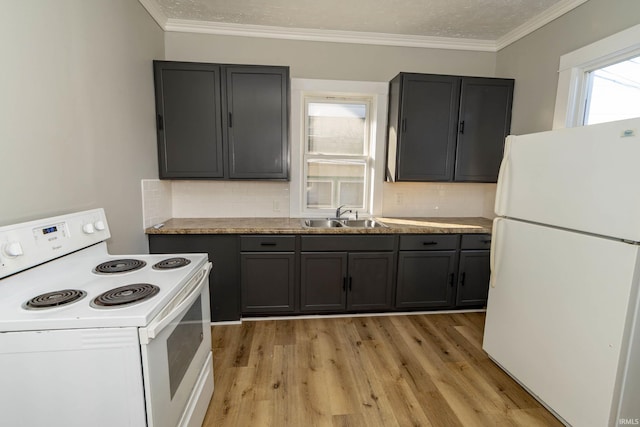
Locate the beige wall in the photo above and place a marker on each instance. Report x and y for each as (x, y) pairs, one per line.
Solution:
(77, 117)
(333, 61)
(534, 60)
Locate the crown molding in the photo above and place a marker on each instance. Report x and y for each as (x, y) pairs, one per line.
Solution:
(538, 21)
(245, 30)
(156, 12)
(356, 37)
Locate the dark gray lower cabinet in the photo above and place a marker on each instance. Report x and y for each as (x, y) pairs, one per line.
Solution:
(338, 281)
(426, 279)
(473, 278)
(267, 282)
(292, 274)
(346, 273)
(268, 274)
(474, 272)
(323, 281)
(224, 289)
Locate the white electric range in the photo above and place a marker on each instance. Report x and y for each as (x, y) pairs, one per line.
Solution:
(89, 338)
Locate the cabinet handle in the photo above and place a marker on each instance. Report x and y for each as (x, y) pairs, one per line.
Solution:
(230, 120)
(451, 279)
(350, 283)
(431, 243)
(267, 244)
(462, 279)
(461, 129)
(486, 241)
(160, 122)
(404, 125)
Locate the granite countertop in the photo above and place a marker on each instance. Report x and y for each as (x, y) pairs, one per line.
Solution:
(294, 226)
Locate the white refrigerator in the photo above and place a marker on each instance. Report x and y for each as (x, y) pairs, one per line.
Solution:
(562, 315)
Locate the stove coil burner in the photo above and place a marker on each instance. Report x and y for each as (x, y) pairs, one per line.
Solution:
(170, 263)
(125, 295)
(119, 266)
(54, 299)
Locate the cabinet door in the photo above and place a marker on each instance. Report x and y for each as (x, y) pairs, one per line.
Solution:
(323, 281)
(425, 279)
(188, 123)
(485, 121)
(370, 281)
(256, 117)
(267, 281)
(427, 127)
(473, 278)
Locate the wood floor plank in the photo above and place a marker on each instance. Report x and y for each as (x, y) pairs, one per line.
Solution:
(383, 371)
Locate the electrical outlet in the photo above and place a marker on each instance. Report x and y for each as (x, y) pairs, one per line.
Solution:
(276, 206)
(399, 198)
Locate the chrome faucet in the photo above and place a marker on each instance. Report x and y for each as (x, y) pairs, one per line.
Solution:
(340, 212)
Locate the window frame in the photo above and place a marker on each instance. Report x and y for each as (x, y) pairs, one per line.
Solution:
(364, 159)
(378, 92)
(575, 69)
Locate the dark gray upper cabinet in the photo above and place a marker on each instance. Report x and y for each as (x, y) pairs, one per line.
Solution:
(222, 121)
(189, 129)
(447, 128)
(422, 126)
(256, 116)
(485, 120)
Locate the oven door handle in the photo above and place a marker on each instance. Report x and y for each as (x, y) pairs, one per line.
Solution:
(184, 299)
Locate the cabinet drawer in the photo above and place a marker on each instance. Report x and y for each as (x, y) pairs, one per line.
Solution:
(429, 242)
(267, 243)
(347, 243)
(476, 241)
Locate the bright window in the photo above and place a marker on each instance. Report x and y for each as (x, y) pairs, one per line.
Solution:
(613, 92)
(599, 82)
(336, 153)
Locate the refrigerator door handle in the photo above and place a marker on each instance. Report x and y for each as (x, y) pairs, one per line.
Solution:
(494, 249)
(503, 178)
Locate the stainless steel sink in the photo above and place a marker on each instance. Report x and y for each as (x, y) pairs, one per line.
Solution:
(362, 223)
(347, 223)
(322, 223)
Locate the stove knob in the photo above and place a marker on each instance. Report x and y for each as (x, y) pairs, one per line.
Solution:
(99, 225)
(88, 228)
(13, 249)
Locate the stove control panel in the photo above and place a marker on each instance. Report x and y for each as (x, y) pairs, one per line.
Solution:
(31, 243)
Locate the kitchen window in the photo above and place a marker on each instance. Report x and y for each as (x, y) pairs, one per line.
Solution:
(599, 82)
(613, 92)
(336, 153)
(338, 129)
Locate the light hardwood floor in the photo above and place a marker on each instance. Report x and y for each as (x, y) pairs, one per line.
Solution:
(418, 370)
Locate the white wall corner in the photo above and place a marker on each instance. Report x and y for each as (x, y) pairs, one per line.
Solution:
(156, 12)
(538, 21)
(489, 201)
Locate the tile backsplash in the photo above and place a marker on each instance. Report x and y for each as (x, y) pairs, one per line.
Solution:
(437, 199)
(220, 199)
(156, 201)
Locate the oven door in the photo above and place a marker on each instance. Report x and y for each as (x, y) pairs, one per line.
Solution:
(176, 358)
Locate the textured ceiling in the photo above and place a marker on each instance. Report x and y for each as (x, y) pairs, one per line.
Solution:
(468, 19)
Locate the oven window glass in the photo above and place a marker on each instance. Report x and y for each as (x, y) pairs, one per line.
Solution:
(183, 343)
